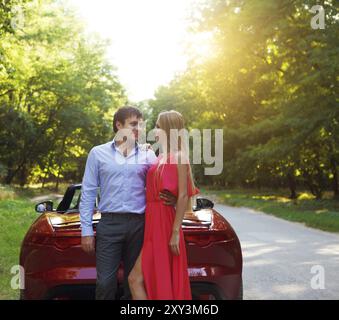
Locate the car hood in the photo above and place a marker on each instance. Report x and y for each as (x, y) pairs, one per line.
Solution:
(200, 218)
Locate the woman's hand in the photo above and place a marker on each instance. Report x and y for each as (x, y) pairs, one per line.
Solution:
(174, 243)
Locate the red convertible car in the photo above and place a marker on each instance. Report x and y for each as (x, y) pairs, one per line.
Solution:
(57, 268)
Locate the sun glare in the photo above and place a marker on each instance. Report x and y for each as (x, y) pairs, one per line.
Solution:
(200, 46)
(149, 39)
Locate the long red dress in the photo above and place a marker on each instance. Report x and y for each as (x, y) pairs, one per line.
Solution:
(165, 274)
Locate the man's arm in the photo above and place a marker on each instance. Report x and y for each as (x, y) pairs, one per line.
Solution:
(89, 188)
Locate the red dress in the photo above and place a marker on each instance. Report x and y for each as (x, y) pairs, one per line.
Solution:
(165, 274)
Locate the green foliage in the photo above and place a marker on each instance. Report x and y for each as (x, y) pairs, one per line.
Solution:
(9, 10)
(57, 95)
(271, 83)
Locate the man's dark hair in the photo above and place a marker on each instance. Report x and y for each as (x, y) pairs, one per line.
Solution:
(123, 113)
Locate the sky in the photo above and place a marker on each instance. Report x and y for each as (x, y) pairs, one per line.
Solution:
(147, 39)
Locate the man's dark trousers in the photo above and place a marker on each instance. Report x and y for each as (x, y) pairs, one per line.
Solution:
(119, 237)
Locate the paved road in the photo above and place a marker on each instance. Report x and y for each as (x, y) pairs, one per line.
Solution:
(279, 256)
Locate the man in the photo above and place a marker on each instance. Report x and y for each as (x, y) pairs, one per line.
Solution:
(119, 169)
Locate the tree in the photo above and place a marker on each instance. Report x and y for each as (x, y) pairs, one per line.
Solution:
(271, 83)
(58, 95)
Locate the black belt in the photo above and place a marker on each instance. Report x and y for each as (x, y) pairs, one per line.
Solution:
(121, 213)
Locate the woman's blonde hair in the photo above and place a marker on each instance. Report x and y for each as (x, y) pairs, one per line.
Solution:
(172, 125)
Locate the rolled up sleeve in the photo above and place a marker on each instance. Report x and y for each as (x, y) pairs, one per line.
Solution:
(89, 189)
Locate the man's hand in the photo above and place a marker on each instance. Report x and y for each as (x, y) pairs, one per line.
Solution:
(145, 146)
(169, 198)
(88, 244)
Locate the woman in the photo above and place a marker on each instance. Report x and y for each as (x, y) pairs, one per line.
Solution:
(160, 272)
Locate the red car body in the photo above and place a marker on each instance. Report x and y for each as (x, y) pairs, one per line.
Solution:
(55, 266)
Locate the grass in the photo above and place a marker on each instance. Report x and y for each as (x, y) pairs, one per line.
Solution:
(16, 215)
(320, 214)
(15, 192)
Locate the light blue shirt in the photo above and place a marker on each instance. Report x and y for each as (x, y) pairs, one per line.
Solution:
(121, 180)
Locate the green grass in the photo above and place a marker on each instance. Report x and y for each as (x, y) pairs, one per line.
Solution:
(321, 214)
(16, 215)
(15, 192)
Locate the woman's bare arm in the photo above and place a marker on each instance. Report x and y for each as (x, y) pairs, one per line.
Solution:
(181, 206)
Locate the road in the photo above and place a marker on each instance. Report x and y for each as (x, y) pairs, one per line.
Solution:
(282, 259)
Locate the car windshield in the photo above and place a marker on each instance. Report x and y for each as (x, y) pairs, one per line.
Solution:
(71, 199)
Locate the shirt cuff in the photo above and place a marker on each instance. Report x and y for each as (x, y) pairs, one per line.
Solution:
(86, 231)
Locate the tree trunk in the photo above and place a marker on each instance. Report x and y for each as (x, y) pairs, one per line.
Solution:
(47, 169)
(60, 163)
(43, 182)
(335, 183)
(309, 183)
(292, 185)
(12, 173)
(9, 176)
(23, 175)
(320, 182)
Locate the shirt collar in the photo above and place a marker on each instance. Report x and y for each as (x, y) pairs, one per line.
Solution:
(137, 145)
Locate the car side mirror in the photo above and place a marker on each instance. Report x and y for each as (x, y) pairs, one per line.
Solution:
(44, 206)
(203, 203)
